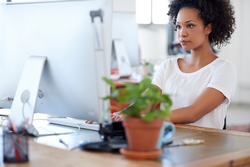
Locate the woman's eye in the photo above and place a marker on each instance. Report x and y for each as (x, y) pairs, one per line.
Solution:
(177, 27)
(190, 26)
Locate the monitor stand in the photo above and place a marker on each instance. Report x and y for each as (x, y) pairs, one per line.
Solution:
(113, 136)
(27, 91)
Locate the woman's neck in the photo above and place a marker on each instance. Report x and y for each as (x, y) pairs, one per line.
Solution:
(199, 58)
(202, 55)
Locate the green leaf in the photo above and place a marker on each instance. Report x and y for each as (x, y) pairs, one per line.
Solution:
(166, 110)
(107, 97)
(148, 117)
(130, 85)
(167, 99)
(115, 93)
(146, 82)
(131, 111)
(110, 82)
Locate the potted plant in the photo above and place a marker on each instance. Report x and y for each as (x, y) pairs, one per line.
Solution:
(145, 67)
(142, 121)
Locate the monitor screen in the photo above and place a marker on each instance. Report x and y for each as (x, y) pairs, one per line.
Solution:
(64, 33)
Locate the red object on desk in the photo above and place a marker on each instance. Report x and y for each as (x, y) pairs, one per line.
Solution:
(17, 155)
(114, 71)
(124, 105)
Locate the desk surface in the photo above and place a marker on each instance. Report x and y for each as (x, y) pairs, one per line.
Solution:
(221, 148)
(120, 82)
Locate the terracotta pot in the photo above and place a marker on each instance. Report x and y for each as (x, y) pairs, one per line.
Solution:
(142, 135)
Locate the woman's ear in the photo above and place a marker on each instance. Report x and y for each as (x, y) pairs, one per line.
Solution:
(209, 28)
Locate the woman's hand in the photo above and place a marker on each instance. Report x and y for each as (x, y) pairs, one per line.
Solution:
(116, 116)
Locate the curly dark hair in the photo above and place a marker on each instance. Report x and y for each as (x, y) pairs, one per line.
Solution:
(218, 12)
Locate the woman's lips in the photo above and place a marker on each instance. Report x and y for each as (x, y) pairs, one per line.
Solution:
(184, 42)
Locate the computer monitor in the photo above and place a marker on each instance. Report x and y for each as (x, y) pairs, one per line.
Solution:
(63, 32)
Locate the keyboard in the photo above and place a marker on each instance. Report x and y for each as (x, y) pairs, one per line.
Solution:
(74, 123)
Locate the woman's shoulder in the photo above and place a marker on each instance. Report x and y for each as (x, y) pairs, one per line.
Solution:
(224, 67)
(168, 64)
(223, 63)
(169, 61)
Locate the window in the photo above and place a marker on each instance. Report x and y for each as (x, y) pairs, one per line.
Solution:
(152, 11)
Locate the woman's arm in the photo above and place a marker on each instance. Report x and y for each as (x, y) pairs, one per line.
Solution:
(205, 103)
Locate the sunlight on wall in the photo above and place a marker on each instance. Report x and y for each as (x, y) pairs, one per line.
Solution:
(152, 11)
(159, 12)
(143, 11)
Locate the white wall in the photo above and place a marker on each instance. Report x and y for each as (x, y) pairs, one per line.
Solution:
(238, 51)
(124, 5)
(152, 41)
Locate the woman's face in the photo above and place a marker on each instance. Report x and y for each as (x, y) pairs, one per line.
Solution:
(190, 29)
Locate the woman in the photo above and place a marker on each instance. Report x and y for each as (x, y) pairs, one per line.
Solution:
(202, 85)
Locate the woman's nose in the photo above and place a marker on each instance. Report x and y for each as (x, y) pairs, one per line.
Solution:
(183, 32)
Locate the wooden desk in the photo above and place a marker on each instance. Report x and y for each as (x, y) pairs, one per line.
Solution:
(120, 82)
(134, 80)
(221, 148)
